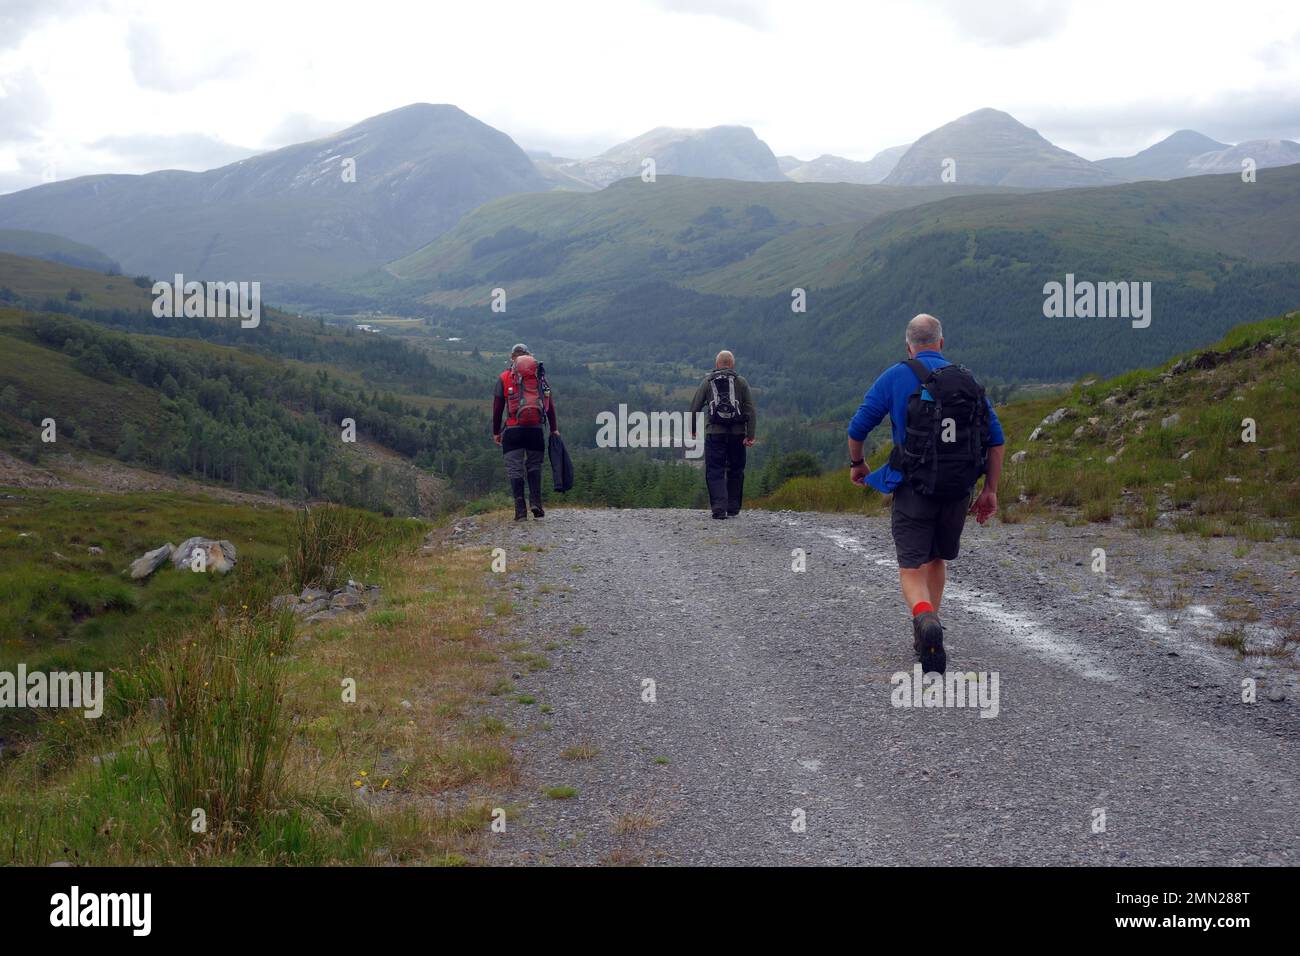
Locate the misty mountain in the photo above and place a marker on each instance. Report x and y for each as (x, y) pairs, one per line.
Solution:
(295, 213)
(837, 169)
(1167, 159)
(720, 152)
(549, 165)
(992, 148)
(1265, 152)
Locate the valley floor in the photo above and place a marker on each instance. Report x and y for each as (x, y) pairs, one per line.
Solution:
(1120, 696)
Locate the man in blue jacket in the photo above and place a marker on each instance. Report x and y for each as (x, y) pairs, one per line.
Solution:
(926, 530)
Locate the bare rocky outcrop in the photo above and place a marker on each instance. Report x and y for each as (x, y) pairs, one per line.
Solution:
(218, 556)
(151, 561)
(315, 604)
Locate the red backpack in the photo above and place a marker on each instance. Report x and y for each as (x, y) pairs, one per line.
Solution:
(525, 390)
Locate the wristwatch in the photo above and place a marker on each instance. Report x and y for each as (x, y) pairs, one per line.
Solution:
(857, 464)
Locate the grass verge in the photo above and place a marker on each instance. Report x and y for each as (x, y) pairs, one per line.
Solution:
(355, 741)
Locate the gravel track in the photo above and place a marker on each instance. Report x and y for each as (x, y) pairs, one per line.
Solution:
(773, 701)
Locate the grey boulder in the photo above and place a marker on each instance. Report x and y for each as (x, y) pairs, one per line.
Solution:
(151, 561)
(217, 555)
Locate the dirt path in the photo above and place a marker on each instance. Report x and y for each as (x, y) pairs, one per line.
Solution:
(772, 700)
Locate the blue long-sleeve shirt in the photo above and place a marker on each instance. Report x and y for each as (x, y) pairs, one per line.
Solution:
(888, 395)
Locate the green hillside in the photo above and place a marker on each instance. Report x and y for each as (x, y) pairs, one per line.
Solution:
(669, 272)
(45, 245)
(127, 304)
(1153, 225)
(195, 409)
(1219, 216)
(630, 232)
(1154, 446)
(24, 280)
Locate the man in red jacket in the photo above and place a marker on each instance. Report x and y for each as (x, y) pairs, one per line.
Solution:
(523, 397)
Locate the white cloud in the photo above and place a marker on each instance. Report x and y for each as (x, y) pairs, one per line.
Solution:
(170, 61)
(1105, 77)
(20, 17)
(1006, 23)
(745, 12)
(194, 151)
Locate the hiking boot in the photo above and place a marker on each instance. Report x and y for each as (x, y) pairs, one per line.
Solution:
(720, 514)
(732, 514)
(535, 493)
(927, 641)
(521, 506)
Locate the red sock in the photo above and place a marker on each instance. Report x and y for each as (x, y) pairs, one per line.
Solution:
(921, 607)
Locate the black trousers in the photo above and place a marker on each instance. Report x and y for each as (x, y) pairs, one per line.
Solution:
(724, 471)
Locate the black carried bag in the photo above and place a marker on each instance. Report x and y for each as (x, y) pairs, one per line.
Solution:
(947, 433)
(561, 464)
(724, 409)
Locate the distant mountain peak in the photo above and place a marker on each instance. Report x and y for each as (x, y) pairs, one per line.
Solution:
(828, 168)
(991, 147)
(715, 152)
(1264, 153)
(1168, 159)
(989, 114)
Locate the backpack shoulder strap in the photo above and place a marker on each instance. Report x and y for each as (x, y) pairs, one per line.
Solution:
(919, 369)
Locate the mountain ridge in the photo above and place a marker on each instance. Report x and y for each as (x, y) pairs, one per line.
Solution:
(992, 148)
(294, 213)
(715, 152)
(1166, 159)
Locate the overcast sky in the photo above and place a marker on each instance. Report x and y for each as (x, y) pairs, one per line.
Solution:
(135, 85)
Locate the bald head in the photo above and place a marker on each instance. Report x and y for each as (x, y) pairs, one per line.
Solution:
(924, 332)
(724, 360)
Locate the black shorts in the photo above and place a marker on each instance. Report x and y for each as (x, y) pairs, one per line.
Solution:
(527, 437)
(926, 528)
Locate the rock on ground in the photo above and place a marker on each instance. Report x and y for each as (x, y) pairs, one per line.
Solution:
(151, 561)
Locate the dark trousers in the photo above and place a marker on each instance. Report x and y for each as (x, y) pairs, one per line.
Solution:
(724, 471)
(523, 447)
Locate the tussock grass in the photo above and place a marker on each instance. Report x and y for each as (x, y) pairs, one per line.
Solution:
(325, 537)
(635, 821)
(585, 750)
(223, 730)
(235, 714)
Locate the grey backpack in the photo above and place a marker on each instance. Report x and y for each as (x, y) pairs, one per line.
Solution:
(724, 409)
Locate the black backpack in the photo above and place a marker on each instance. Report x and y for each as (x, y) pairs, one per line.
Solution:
(724, 409)
(947, 432)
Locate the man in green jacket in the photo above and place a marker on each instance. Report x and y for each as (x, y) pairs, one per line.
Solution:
(730, 430)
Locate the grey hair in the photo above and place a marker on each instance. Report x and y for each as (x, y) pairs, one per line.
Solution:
(924, 330)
